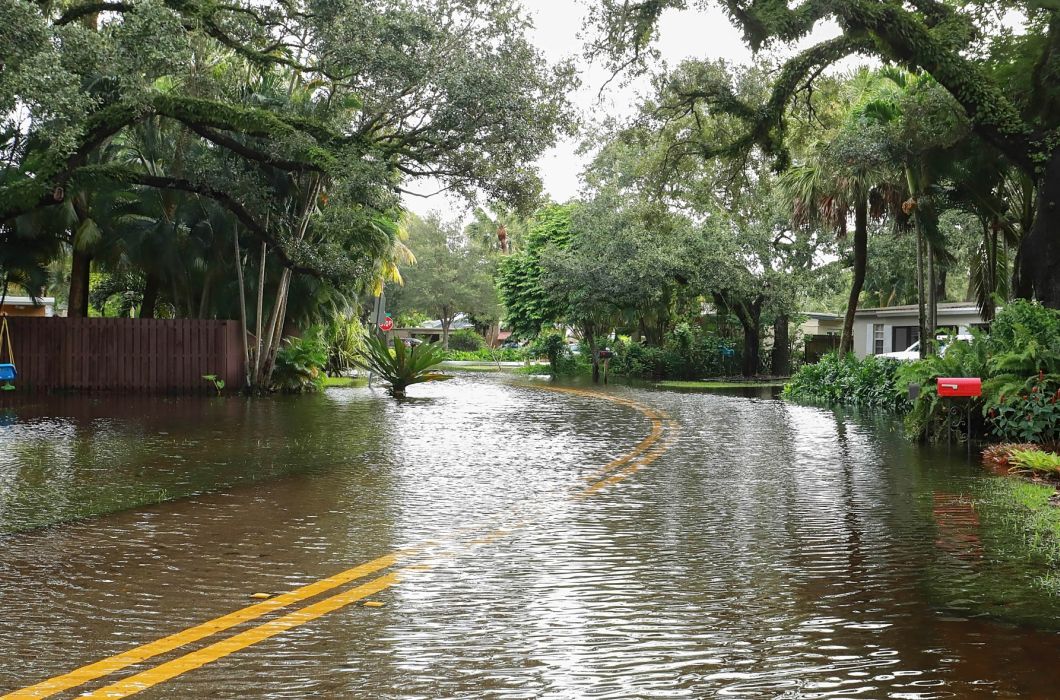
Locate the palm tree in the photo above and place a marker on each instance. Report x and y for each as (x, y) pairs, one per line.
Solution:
(824, 192)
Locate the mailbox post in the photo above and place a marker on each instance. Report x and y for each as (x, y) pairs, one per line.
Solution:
(606, 356)
(960, 388)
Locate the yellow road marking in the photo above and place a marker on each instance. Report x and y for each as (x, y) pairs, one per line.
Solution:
(628, 471)
(142, 653)
(217, 650)
(193, 660)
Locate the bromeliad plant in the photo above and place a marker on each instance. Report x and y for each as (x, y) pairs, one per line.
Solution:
(401, 367)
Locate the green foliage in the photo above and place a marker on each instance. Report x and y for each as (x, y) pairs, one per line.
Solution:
(528, 307)
(1036, 461)
(450, 275)
(1032, 415)
(688, 352)
(345, 340)
(927, 417)
(300, 363)
(411, 319)
(217, 383)
(1019, 362)
(872, 382)
(466, 340)
(487, 355)
(1028, 511)
(401, 367)
(554, 347)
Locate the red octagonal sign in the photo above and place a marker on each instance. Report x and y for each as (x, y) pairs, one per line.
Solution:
(387, 325)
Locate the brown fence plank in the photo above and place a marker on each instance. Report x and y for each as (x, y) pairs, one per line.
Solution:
(125, 354)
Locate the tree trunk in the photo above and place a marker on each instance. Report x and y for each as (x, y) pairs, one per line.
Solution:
(781, 357)
(1039, 254)
(150, 299)
(242, 309)
(750, 316)
(920, 290)
(751, 345)
(447, 321)
(932, 296)
(861, 257)
(589, 336)
(79, 275)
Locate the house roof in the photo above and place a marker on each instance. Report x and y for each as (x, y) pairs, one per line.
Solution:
(822, 315)
(945, 308)
(29, 301)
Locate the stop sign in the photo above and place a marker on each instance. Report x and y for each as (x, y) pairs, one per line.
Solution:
(387, 325)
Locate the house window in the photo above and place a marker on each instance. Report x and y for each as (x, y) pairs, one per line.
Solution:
(904, 336)
(877, 338)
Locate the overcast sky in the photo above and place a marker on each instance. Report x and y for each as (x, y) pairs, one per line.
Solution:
(684, 34)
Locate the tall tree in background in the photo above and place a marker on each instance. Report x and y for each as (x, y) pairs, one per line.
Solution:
(451, 275)
(528, 307)
(1008, 85)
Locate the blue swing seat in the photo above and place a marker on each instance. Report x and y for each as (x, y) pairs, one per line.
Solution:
(8, 373)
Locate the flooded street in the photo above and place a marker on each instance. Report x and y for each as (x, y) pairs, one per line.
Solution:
(519, 542)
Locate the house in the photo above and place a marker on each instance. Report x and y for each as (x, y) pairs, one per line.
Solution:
(895, 328)
(26, 306)
(820, 333)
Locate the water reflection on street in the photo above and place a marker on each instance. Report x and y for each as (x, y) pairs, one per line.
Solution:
(764, 550)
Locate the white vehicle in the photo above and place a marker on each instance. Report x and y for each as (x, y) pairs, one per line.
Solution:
(912, 352)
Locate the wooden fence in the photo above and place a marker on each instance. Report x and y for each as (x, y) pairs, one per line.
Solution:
(149, 356)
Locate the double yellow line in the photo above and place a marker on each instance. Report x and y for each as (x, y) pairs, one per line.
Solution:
(643, 453)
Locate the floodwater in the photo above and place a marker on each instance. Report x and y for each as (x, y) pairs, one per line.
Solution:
(662, 544)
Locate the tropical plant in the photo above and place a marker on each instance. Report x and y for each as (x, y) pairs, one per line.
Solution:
(1036, 461)
(928, 414)
(300, 364)
(1000, 455)
(1031, 415)
(215, 381)
(838, 380)
(345, 337)
(401, 367)
(466, 340)
(554, 347)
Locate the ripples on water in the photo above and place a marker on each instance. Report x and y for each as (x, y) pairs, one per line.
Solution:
(775, 551)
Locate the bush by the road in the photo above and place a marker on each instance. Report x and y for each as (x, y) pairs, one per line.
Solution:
(871, 382)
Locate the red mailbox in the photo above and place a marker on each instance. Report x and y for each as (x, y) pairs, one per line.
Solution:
(960, 387)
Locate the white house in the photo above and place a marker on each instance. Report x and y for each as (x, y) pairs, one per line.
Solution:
(28, 306)
(894, 328)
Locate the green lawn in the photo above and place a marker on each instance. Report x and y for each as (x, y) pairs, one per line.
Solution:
(344, 382)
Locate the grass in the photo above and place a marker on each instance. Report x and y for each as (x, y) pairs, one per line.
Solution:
(707, 384)
(345, 382)
(1027, 511)
(472, 368)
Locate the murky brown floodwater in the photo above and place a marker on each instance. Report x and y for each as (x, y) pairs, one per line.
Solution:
(774, 551)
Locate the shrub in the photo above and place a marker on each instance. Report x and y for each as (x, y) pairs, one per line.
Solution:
(488, 355)
(1000, 455)
(466, 340)
(300, 363)
(402, 367)
(927, 417)
(554, 347)
(1031, 415)
(688, 352)
(846, 380)
(1036, 461)
(344, 337)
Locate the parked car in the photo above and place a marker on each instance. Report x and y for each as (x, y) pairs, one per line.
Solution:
(511, 345)
(912, 352)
